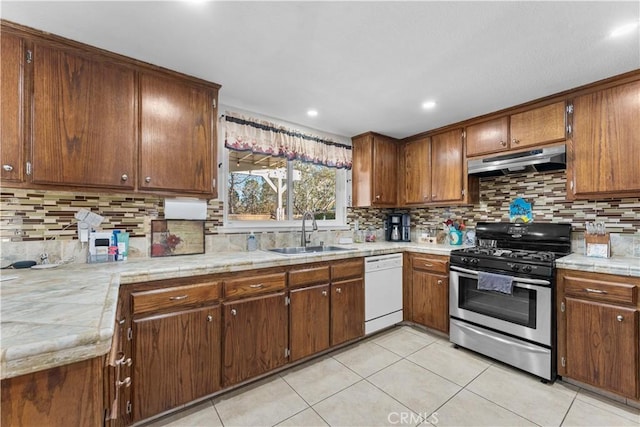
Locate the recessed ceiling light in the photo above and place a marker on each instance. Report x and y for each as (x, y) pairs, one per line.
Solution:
(427, 105)
(623, 30)
(312, 113)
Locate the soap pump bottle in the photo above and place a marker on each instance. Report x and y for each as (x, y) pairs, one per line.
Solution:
(252, 243)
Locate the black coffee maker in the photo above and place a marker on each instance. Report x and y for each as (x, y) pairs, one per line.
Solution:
(398, 227)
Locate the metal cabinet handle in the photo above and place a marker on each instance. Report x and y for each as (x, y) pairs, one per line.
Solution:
(595, 291)
(7, 168)
(147, 179)
(377, 197)
(209, 318)
(503, 143)
(324, 293)
(178, 298)
(125, 382)
(256, 286)
(619, 318)
(233, 312)
(515, 141)
(439, 282)
(338, 290)
(124, 177)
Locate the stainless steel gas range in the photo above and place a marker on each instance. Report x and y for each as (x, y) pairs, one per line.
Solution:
(502, 294)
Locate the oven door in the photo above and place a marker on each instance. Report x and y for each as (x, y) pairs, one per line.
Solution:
(526, 313)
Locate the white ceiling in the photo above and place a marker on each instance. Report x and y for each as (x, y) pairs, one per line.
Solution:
(362, 65)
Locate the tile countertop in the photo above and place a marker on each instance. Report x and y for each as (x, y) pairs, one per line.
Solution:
(53, 317)
(66, 314)
(623, 266)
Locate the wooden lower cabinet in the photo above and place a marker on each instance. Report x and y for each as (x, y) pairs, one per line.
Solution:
(256, 336)
(309, 320)
(599, 330)
(429, 290)
(347, 310)
(177, 359)
(69, 395)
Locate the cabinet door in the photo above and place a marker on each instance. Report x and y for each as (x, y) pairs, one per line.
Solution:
(176, 152)
(347, 310)
(256, 334)
(447, 167)
(309, 320)
(602, 345)
(176, 359)
(538, 126)
(606, 142)
(416, 172)
(430, 300)
(488, 137)
(84, 120)
(385, 172)
(362, 172)
(11, 122)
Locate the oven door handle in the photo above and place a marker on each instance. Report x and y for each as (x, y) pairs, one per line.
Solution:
(515, 279)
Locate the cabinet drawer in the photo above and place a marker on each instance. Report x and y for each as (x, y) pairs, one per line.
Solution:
(309, 276)
(178, 296)
(254, 285)
(620, 292)
(430, 263)
(347, 269)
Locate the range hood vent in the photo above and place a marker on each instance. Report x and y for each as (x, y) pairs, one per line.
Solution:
(543, 159)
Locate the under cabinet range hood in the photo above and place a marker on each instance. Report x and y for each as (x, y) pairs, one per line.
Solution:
(541, 159)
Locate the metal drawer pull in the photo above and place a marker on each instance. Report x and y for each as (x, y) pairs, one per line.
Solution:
(123, 361)
(619, 318)
(7, 168)
(595, 291)
(324, 293)
(258, 286)
(125, 382)
(178, 298)
(233, 312)
(338, 290)
(439, 282)
(209, 318)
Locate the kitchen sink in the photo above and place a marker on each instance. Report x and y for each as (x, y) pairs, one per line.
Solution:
(300, 250)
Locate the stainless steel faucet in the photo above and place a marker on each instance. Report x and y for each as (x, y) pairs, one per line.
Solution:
(314, 224)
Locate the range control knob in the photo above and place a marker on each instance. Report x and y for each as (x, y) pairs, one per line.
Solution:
(464, 260)
(515, 267)
(474, 261)
(526, 268)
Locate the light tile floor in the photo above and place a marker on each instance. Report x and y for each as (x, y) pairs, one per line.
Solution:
(405, 377)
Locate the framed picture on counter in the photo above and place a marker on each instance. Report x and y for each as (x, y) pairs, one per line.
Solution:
(172, 237)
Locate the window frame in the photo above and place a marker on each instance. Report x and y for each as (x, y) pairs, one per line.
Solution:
(343, 191)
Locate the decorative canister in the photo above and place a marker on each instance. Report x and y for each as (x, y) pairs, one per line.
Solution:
(455, 237)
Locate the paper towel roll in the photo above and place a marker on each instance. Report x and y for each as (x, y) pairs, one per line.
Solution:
(185, 209)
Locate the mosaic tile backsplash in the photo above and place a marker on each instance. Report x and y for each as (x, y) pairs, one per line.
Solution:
(45, 218)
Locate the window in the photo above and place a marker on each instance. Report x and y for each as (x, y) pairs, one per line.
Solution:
(264, 190)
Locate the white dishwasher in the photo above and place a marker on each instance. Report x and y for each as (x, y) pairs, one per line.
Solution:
(382, 292)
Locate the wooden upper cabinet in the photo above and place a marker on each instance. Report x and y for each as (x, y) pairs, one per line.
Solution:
(374, 171)
(488, 137)
(177, 135)
(415, 172)
(84, 120)
(604, 149)
(538, 126)
(448, 174)
(11, 119)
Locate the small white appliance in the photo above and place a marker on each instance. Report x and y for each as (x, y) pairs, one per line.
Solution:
(382, 292)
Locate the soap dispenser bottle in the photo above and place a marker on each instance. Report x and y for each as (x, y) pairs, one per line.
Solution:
(252, 243)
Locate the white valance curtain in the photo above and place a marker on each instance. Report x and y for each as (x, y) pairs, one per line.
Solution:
(263, 137)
